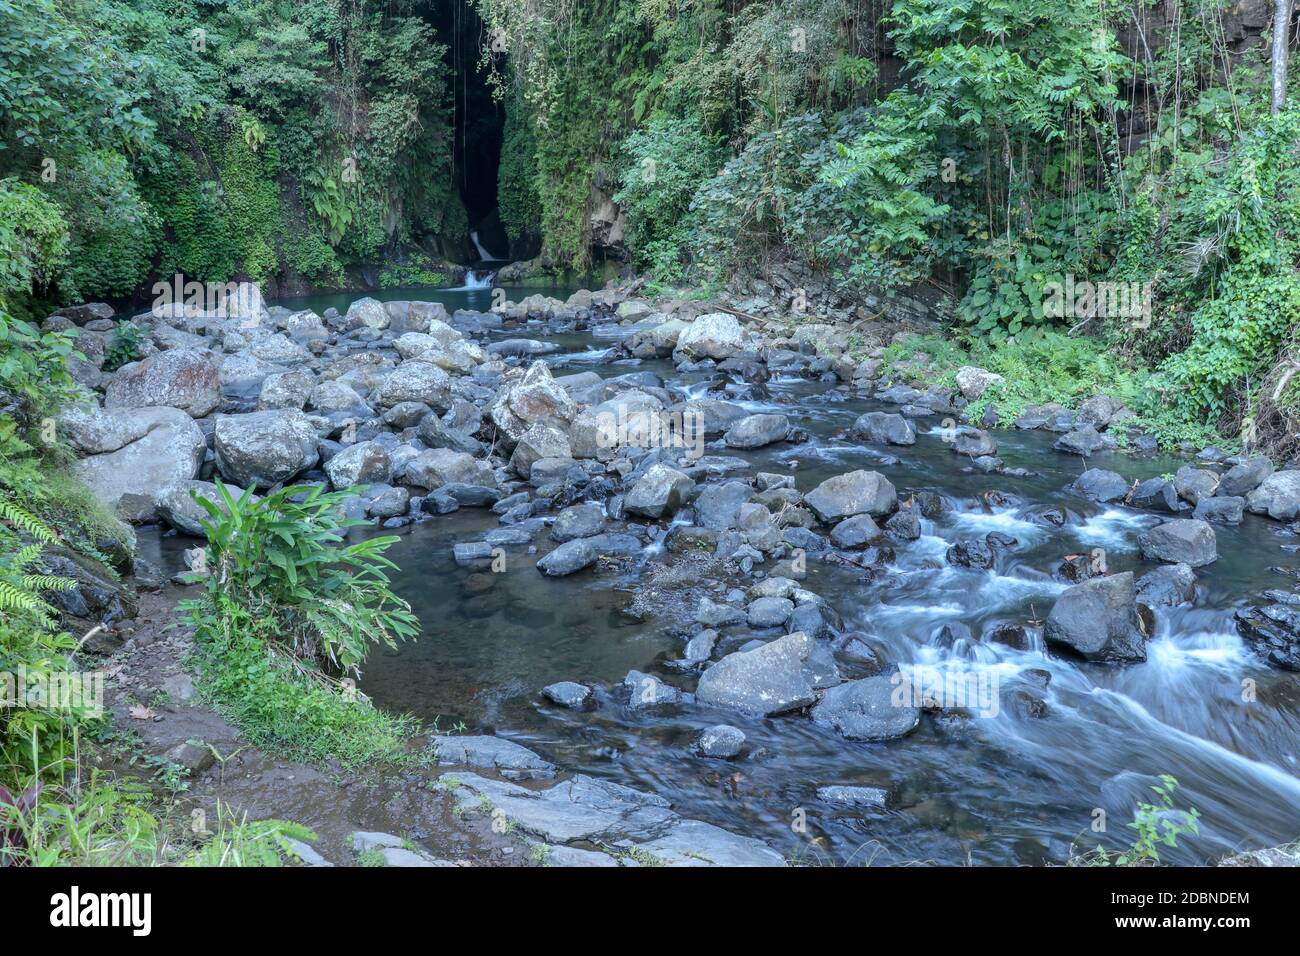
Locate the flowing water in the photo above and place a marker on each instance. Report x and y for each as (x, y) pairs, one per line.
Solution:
(999, 788)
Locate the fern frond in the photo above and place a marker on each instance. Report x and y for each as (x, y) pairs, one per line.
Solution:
(24, 520)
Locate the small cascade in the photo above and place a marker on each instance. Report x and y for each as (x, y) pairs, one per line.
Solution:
(476, 279)
(483, 254)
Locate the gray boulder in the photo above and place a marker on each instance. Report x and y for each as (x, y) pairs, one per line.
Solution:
(1277, 496)
(415, 381)
(579, 521)
(1099, 619)
(757, 431)
(176, 504)
(1245, 476)
(718, 505)
(132, 453)
(1167, 586)
(868, 709)
(715, 335)
(660, 491)
(188, 379)
(854, 493)
(567, 693)
(771, 679)
(364, 463)
(261, 449)
(1100, 485)
(570, 557)
(721, 741)
(435, 467)
(884, 428)
(855, 532)
(1180, 541)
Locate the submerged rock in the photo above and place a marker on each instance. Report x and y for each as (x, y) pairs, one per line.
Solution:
(722, 741)
(567, 693)
(868, 709)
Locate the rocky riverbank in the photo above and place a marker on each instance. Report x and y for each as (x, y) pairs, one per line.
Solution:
(429, 412)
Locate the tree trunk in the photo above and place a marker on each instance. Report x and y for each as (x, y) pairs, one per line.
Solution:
(1281, 36)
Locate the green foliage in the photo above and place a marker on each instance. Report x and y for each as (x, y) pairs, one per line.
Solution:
(1157, 824)
(282, 556)
(241, 842)
(123, 347)
(664, 163)
(33, 239)
(418, 270)
(518, 204)
(284, 595)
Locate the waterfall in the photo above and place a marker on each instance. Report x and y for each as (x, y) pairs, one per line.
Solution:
(483, 254)
(476, 279)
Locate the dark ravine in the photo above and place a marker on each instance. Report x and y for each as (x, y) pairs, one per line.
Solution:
(737, 620)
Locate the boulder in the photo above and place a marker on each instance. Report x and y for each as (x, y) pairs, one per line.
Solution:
(855, 532)
(1180, 541)
(364, 463)
(660, 491)
(1277, 496)
(570, 557)
(286, 390)
(1099, 619)
(1084, 441)
(769, 612)
(1245, 476)
(854, 493)
(567, 693)
(715, 335)
(261, 449)
(1220, 510)
(1157, 494)
(435, 467)
(188, 379)
(176, 504)
(133, 452)
(973, 381)
(884, 428)
(718, 505)
(415, 381)
(538, 442)
(1167, 586)
(721, 741)
(579, 521)
(868, 709)
(535, 398)
(368, 313)
(770, 679)
(1100, 485)
(757, 431)
(1194, 484)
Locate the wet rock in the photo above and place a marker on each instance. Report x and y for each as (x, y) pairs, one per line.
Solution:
(1245, 476)
(570, 557)
(1099, 620)
(1085, 441)
(494, 753)
(1100, 485)
(769, 612)
(1010, 635)
(1167, 586)
(770, 679)
(973, 381)
(722, 741)
(857, 797)
(1274, 631)
(1220, 510)
(567, 693)
(579, 521)
(1099, 411)
(185, 378)
(1180, 541)
(469, 554)
(595, 811)
(1277, 496)
(700, 647)
(883, 428)
(661, 490)
(978, 553)
(1157, 494)
(132, 453)
(646, 690)
(364, 463)
(905, 524)
(867, 709)
(385, 501)
(715, 335)
(1195, 484)
(854, 493)
(974, 443)
(757, 431)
